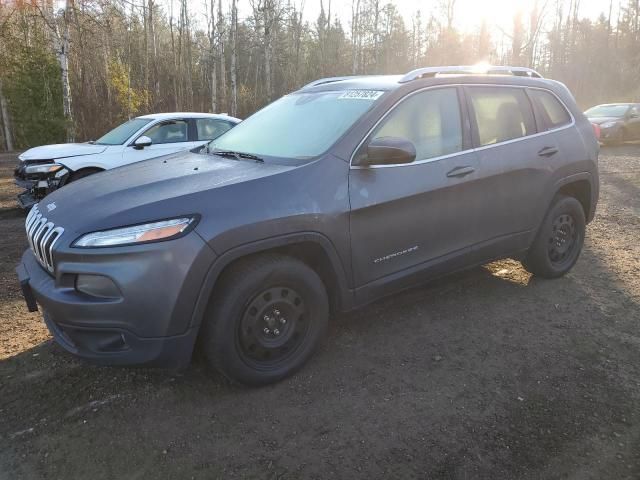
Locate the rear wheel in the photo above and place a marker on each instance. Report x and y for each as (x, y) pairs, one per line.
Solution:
(265, 320)
(559, 241)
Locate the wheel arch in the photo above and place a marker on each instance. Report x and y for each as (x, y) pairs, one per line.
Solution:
(312, 248)
(94, 169)
(579, 187)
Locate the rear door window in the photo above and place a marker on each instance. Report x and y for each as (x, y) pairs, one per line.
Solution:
(553, 113)
(211, 128)
(171, 131)
(501, 114)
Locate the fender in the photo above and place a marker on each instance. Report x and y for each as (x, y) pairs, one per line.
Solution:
(573, 178)
(345, 298)
(84, 164)
(554, 188)
(593, 182)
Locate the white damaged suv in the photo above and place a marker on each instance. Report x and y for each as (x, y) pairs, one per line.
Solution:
(49, 167)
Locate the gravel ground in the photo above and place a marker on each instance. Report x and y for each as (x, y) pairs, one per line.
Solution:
(486, 374)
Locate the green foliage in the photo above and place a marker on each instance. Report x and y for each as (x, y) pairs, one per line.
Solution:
(129, 99)
(34, 93)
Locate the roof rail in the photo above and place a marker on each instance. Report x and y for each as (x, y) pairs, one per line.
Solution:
(470, 70)
(322, 81)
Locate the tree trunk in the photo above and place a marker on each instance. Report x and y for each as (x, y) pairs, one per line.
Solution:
(185, 38)
(62, 53)
(222, 62)
(154, 50)
(355, 28)
(212, 59)
(376, 22)
(174, 79)
(234, 55)
(6, 125)
(267, 18)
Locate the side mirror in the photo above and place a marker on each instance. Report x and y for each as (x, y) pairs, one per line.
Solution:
(634, 115)
(389, 151)
(142, 142)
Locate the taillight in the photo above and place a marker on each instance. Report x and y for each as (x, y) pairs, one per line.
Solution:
(596, 130)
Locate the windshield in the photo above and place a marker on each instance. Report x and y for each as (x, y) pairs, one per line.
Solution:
(607, 111)
(300, 125)
(121, 133)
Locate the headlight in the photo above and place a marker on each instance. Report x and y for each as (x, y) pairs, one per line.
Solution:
(608, 124)
(43, 168)
(148, 232)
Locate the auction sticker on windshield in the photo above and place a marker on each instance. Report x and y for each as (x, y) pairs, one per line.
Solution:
(361, 95)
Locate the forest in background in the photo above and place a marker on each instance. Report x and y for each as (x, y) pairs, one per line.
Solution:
(70, 70)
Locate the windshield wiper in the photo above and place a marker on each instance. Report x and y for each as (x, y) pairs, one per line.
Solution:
(237, 155)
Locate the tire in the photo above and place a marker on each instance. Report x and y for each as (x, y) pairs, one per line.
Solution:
(85, 172)
(265, 320)
(559, 240)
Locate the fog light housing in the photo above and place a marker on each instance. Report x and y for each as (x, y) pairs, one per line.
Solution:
(97, 286)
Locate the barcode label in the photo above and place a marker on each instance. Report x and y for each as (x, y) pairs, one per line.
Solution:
(361, 95)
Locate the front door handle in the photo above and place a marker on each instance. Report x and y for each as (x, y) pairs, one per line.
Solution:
(460, 171)
(548, 152)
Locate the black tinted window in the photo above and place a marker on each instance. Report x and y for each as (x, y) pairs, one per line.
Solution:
(430, 120)
(501, 114)
(553, 113)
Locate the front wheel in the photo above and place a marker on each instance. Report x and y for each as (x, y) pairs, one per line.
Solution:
(265, 319)
(559, 241)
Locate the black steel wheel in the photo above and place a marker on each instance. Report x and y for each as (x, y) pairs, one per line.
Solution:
(272, 327)
(266, 318)
(559, 240)
(562, 240)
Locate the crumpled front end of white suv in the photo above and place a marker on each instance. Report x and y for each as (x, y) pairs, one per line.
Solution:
(38, 177)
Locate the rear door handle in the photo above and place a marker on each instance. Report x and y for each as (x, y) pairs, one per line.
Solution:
(460, 171)
(548, 152)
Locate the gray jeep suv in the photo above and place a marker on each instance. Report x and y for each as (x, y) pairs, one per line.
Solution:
(329, 198)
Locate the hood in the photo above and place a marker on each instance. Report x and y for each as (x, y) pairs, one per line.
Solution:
(61, 150)
(164, 187)
(601, 120)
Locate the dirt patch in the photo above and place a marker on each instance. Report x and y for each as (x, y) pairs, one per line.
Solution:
(486, 374)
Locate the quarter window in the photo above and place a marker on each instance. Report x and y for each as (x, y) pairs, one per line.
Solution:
(173, 131)
(430, 120)
(501, 114)
(553, 113)
(210, 128)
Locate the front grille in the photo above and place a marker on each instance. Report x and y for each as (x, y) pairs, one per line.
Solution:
(42, 235)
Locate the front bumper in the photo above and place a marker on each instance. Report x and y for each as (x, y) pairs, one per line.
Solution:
(37, 185)
(151, 324)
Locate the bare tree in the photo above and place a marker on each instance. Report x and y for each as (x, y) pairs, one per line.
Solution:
(234, 58)
(4, 117)
(222, 63)
(212, 58)
(355, 34)
(62, 46)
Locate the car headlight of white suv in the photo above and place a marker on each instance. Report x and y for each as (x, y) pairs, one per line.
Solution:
(44, 168)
